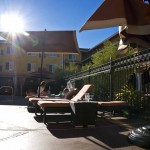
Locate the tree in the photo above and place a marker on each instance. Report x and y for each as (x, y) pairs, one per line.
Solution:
(86, 66)
(71, 68)
(59, 73)
(103, 56)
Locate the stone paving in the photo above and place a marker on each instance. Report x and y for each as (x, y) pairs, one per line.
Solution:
(21, 130)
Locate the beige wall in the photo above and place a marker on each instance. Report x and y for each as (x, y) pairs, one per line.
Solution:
(21, 59)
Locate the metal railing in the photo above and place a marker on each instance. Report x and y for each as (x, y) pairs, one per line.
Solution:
(121, 79)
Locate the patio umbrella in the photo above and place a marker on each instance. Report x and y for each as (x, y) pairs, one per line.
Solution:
(49, 41)
(126, 39)
(132, 15)
(60, 42)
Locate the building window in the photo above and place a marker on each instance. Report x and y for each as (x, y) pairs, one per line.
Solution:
(32, 54)
(52, 68)
(9, 65)
(72, 56)
(53, 55)
(10, 50)
(1, 52)
(1, 68)
(31, 67)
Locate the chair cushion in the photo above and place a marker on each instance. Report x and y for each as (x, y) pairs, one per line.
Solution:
(53, 104)
(36, 99)
(113, 103)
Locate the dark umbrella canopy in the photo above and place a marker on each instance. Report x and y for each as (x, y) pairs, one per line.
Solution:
(132, 13)
(132, 17)
(50, 41)
(126, 39)
(63, 42)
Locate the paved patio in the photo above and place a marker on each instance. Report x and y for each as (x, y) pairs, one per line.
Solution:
(21, 130)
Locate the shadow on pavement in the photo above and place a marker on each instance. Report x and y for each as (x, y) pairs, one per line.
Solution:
(112, 132)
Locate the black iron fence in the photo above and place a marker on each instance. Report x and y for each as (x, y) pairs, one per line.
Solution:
(126, 78)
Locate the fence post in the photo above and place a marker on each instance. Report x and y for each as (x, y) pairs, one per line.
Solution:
(111, 79)
(89, 78)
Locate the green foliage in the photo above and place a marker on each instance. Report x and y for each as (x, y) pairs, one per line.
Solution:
(133, 97)
(59, 73)
(86, 66)
(130, 50)
(71, 68)
(103, 56)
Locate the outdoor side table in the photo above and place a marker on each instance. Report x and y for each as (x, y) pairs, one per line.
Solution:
(83, 112)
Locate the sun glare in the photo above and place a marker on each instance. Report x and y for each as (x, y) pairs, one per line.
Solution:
(12, 23)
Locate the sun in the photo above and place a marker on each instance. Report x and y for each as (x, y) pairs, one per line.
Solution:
(12, 23)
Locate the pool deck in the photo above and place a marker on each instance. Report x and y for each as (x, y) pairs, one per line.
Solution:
(21, 130)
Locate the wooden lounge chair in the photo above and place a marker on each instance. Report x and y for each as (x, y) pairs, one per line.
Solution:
(33, 94)
(30, 97)
(33, 100)
(113, 106)
(62, 105)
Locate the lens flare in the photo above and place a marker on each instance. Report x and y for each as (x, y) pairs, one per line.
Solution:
(12, 23)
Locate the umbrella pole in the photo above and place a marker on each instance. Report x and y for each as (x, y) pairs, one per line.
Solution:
(41, 72)
(42, 57)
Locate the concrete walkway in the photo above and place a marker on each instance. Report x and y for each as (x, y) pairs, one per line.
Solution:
(21, 130)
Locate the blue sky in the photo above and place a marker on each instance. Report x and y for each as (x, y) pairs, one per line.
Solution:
(59, 15)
